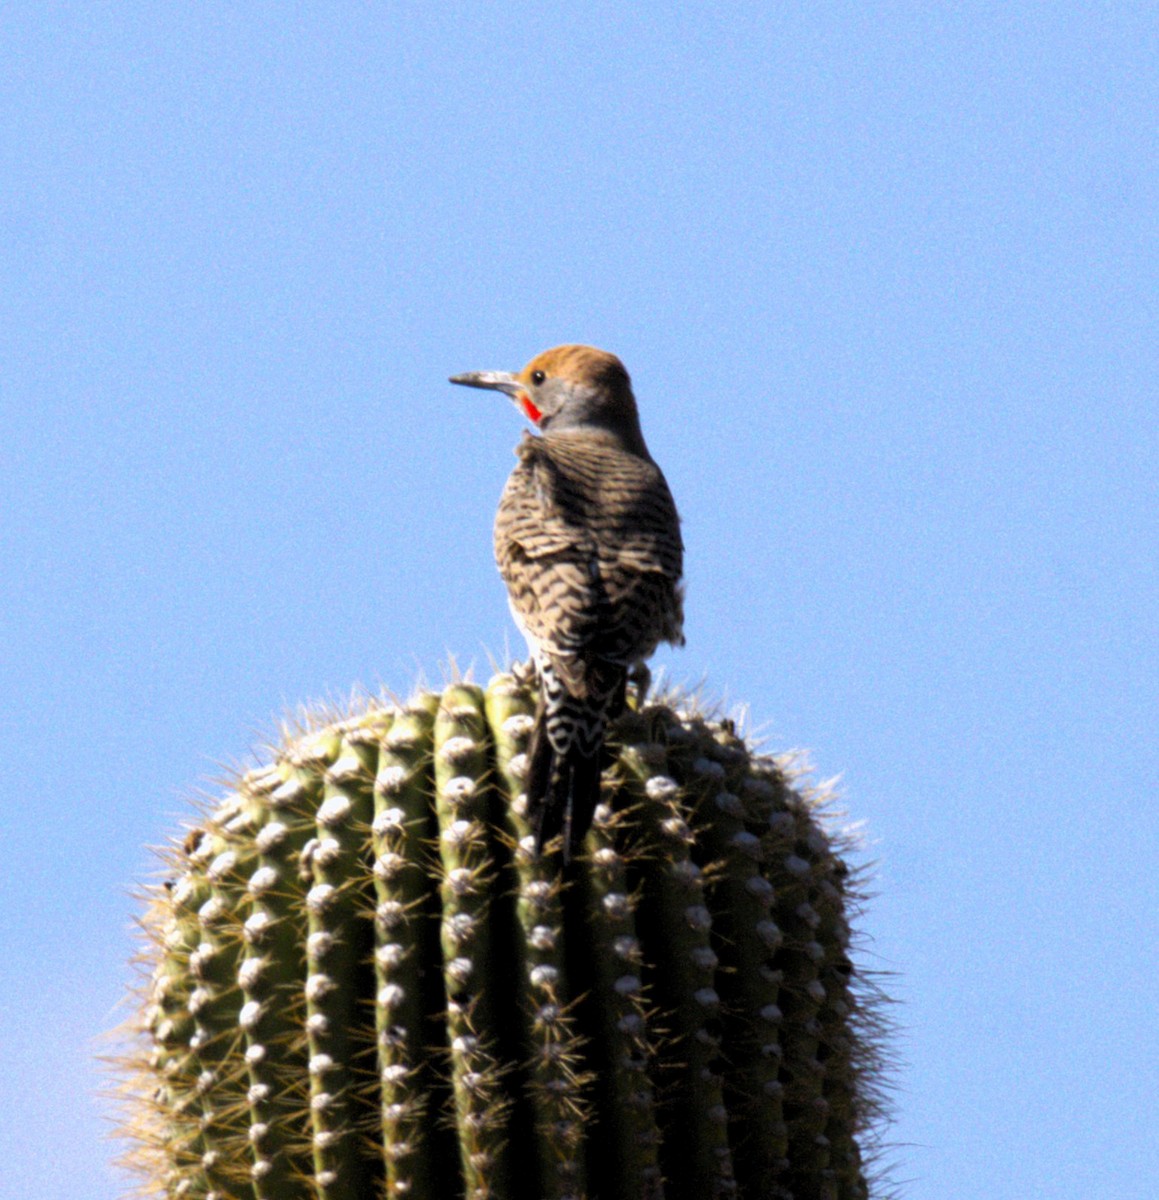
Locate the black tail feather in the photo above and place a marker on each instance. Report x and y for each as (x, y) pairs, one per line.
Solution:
(562, 791)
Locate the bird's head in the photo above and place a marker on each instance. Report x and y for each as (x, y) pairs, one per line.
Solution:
(570, 388)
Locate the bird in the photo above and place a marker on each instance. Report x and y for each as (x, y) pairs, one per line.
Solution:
(587, 540)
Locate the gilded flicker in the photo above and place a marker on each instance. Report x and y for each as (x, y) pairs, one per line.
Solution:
(587, 539)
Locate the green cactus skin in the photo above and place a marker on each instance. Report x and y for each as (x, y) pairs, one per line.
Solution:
(362, 981)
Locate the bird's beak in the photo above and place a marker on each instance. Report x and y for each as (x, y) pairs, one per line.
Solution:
(499, 381)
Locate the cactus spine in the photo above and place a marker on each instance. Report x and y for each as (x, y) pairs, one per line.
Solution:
(361, 980)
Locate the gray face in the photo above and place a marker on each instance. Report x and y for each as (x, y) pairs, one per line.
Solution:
(549, 398)
(566, 404)
(558, 404)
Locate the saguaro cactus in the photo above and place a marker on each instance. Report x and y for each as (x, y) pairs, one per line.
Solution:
(360, 980)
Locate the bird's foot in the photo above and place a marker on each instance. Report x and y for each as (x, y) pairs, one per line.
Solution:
(524, 672)
(640, 679)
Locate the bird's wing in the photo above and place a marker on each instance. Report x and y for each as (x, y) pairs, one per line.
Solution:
(540, 511)
(548, 558)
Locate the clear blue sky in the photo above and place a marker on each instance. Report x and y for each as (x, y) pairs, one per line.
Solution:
(885, 276)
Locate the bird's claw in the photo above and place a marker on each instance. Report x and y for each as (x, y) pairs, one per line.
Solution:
(640, 678)
(523, 672)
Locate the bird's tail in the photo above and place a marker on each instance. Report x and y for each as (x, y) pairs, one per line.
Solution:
(565, 759)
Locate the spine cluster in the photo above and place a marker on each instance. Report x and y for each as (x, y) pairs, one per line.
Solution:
(361, 979)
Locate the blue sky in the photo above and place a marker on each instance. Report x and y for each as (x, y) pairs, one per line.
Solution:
(885, 277)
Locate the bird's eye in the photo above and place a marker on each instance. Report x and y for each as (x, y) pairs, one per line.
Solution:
(537, 377)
